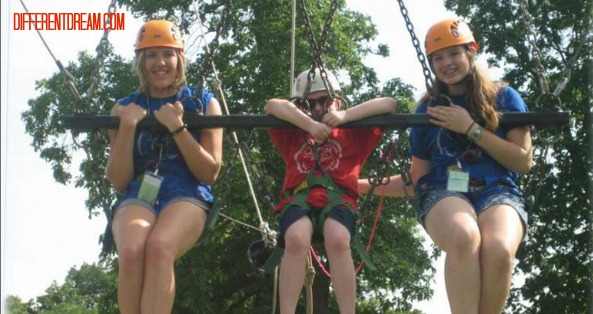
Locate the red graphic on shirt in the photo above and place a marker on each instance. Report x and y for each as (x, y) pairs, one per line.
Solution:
(330, 154)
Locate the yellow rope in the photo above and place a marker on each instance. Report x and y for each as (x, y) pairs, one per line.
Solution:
(309, 278)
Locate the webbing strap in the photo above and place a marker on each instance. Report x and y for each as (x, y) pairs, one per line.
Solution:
(334, 193)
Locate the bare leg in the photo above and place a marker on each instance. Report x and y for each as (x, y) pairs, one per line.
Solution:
(502, 232)
(292, 270)
(453, 227)
(178, 228)
(131, 227)
(337, 246)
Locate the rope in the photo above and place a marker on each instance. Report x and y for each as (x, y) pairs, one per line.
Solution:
(68, 78)
(99, 60)
(309, 279)
(373, 230)
(292, 48)
(95, 80)
(264, 229)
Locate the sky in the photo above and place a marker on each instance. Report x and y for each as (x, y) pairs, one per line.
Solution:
(45, 227)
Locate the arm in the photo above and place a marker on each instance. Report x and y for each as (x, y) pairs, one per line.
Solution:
(513, 152)
(120, 165)
(204, 158)
(287, 111)
(396, 185)
(366, 109)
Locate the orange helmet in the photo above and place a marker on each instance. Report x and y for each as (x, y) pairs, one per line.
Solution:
(448, 33)
(159, 33)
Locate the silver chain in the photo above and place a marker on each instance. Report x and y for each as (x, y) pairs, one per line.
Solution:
(427, 74)
(100, 59)
(537, 54)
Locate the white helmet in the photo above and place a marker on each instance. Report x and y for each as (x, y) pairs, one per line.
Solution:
(300, 84)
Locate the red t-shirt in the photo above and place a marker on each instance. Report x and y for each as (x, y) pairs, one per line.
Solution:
(342, 156)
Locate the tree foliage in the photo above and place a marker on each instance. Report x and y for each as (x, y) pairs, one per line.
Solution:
(89, 289)
(253, 64)
(556, 259)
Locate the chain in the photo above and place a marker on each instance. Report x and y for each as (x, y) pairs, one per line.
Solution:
(379, 175)
(317, 46)
(213, 44)
(537, 54)
(100, 59)
(566, 72)
(427, 74)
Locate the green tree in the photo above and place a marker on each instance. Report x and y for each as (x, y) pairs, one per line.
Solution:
(14, 305)
(89, 289)
(557, 257)
(253, 61)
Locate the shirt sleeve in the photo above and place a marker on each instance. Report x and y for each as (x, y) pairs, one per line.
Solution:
(509, 100)
(132, 98)
(417, 148)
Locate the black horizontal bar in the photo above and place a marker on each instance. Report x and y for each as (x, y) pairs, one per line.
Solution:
(85, 122)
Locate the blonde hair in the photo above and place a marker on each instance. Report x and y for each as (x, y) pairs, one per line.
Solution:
(140, 70)
(481, 93)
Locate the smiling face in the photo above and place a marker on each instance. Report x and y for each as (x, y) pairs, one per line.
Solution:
(161, 69)
(451, 65)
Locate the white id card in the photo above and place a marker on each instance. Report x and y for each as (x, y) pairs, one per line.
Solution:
(149, 189)
(458, 181)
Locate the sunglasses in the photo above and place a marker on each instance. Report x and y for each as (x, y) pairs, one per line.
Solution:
(322, 101)
(471, 154)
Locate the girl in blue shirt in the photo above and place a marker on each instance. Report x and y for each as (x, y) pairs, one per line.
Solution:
(164, 178)
(464, 169)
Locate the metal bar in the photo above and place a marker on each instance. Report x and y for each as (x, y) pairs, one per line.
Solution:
(89, 122)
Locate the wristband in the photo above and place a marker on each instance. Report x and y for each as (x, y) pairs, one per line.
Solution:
(179, 129)
(470, 127)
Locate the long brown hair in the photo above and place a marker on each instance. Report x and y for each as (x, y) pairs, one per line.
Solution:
(481, 93)
(140, 70)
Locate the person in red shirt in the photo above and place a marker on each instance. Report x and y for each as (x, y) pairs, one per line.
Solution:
(319, 194)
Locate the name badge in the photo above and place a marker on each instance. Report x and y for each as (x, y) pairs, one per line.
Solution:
(458, 181)
(149, 189)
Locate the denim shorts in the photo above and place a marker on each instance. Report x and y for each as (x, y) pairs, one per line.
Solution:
(341, 214)
(172, 190)
(480, 199)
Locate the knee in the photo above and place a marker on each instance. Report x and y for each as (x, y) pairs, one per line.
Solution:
(159, 250)
(337, 241)
(496, 253)
(131, 256)
(297, 242)
(464, 240)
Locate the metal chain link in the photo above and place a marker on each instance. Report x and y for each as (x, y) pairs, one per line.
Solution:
(531, 37)
(317, 46)
(429, 82)
(211, 48)
(380, 175)
(100, 59)
(541, 72)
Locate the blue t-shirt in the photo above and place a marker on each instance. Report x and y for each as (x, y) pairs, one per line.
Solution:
(443, 147)
(147, 145)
